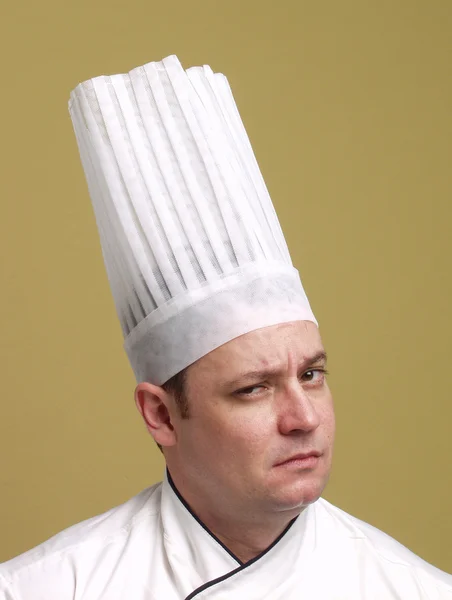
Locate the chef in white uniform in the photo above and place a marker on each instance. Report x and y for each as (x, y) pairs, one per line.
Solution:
(230, 368)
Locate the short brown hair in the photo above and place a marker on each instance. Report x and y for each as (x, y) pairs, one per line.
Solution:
(176, 385)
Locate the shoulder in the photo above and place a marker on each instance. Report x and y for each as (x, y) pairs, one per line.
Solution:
(391, 555)
(82, 547)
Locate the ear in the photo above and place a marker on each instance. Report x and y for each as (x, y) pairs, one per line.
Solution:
(152, 402)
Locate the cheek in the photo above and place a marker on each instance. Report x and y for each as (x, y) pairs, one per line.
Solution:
(252, 435)
(325, 412)
(242, 434)
(329, 422)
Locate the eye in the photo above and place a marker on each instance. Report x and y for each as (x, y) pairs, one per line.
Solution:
(253, 390)
(315, 376)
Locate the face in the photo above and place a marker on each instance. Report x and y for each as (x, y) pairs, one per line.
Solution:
(255, 403)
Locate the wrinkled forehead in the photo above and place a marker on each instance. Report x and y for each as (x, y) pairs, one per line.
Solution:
(277, 347)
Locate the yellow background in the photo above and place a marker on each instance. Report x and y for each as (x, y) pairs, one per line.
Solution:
(348, 106)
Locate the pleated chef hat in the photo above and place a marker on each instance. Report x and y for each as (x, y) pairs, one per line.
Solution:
(192, 245)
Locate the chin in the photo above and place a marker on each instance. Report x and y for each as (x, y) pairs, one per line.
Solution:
(299, 495)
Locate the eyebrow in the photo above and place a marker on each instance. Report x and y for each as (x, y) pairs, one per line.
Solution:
(260, 374)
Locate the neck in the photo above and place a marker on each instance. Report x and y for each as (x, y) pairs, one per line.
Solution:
(245, 538)
(246, 544)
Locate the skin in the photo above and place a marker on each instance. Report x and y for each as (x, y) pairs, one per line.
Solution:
(254, 402)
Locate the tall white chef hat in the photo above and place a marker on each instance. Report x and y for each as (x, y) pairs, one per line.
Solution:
(192, 245)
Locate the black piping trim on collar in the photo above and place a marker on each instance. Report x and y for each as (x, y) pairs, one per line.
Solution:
(242, 565)
(176, 491)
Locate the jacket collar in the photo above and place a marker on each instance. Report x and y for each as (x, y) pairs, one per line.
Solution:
(204, 567)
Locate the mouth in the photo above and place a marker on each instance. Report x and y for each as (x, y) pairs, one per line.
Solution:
(306, 460)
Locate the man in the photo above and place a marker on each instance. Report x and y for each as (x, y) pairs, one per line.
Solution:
(231, 373)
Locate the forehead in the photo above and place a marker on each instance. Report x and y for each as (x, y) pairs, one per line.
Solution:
(278, 346)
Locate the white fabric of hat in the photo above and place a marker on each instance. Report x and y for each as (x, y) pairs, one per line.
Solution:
(194, 252)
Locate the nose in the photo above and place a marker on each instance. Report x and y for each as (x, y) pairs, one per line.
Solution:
(297, 411)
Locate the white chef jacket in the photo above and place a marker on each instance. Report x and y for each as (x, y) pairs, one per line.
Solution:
(153, 548)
